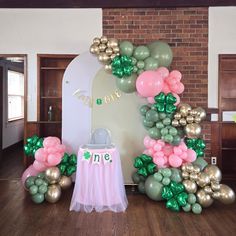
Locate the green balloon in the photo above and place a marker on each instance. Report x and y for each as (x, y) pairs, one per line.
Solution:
(166, 181)
(144, 109)
(38, 198)
(29, 181)
(38, 182)
(126, 48)
(173, 131)
(135, 70)
(176, 175)
(187, 207)
(158, 176)
(134, 61)
(141, 53)
(162, 52)
(136, 177)
(43, 189)
(140, 71)
(154, 133)
(164, 131)
(127, 84)
(162, 115)
(147, 123)
(152, 115)
(153, 188)
(200, 162)
(33, 189)
(150, 64)
(166, 172)
(166, 121)
(168, 138)
(141, 187)
(159, 125)
(176, 140)
(192, 198)
(45, 183)
(181, 132)
(196, 208)
(140, 64)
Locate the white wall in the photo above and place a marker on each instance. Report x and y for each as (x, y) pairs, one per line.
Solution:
(222, 40)
(53, 31)
(12, 132)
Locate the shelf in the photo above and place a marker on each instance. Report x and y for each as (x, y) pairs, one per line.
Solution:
(49, 122)
(228, 149)
(51, 97)
(52, 68)
(228, 98)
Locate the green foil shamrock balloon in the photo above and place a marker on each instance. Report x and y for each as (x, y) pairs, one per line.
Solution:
(68, 164)
(32, 145)
(145, 165)
(122, 66)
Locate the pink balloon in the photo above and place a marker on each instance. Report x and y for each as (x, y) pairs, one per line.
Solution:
(176, 74)
(184, 156)
(175, 161)
(177, 151)
(52, 150)
(180, 88)
(39, 166)
(164, 72)
(170, 80)
(51, 141)
(166, 88)
(40, 155)
(151, 100)
(183, 146)
(149, 83)
(30, 171)
(157, 147)
(177, 99)
(159, 154)
(159, 161)
(168, 150)
(54, 159)
(61, 148)
(160, 142)
(150, 152)
(145, 152)
(152, 142)
(146, 141)
(191, 155)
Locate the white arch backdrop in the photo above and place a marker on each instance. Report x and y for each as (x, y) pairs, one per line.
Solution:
(87, 79)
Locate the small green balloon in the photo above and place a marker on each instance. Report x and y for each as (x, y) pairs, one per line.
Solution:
(166, 121)
(150, 64)
(191, 198)
(158, 176)
(166, 181)
(144, 109)
(162, 115)
(141, 53)
(29, 181)
(141, 187)
(126, 48)
(127, 84)
(164, 131)
(176, 175)
(134, 61)
(135, 70)
(176, 140)
(140, 71)
(140, 64)
(200, 162)
(147, 123)
(187, 207)
(166, 172)
(173, 131)
(154, 133)
(43, 189)
(159, 125)
(152, 115)
(136, 177)
(38, 198)
(168, 138)
(33, 189)
(45, 182)
(38, 182)
(196, 208)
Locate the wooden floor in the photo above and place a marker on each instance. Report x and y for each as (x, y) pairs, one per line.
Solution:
(20, 216)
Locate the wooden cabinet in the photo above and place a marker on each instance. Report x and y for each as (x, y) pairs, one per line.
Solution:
(227, 129)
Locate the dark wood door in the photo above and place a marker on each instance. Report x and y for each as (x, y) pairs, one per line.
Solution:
(1, 108)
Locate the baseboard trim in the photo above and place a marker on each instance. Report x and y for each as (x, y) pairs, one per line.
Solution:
(12, 147)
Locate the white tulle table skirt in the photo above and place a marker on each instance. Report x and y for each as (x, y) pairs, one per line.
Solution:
(99, 186)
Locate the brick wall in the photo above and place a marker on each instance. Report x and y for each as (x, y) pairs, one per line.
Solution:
(184, 29)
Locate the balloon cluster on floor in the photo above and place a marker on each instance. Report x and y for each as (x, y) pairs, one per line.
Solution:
(50, 172)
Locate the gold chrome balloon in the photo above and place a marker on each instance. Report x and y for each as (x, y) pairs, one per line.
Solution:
(175, 123)
(96, 41)
(183, 121)
(189, 119)
(103, 57)
(227, 195)
(214, 173)
(65, 182)
(203, 179)
(116, 49)
(197, 119)
(201, 112)
(184, 109)
(216, 195)
(108, 68)
(204, 199)
(185, 175)
(189, 167)
(112, 43)
(177, 116)
(196, 169)
(53, 194)
(190, 186)
(102, 47)
(193, 176)
(193, 112)
(109, 51)
(94, 49)
(208, 190)
(113, 56)
(193, 130)
(215, 186)
(52, 175)
(104, 39)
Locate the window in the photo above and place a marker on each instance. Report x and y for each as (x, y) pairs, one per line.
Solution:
(15, 84)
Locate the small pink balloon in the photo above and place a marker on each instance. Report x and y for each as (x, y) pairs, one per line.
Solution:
(145, 152)
(168, 150)
(175, 161)
(150, 152)
(149, 83)
(39, 166)
(170, 80)
(30, 171)
(52, 150)
(177, 151)
(159, 161)
(160, 142)
(146, 141)
(183, 146)
(176, 74)
(51, 141)
(180, 88)
(191, 155)
(151, 100)
(159, 154)
(40, 155)
(166, 88)
(184, 156)
(53, 159)
(157, 147)
(152, 143)
(177, 99)
(61, 148)
(164, 72)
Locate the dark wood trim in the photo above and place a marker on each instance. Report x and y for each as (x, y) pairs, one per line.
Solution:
(112, 4)
(1, 108)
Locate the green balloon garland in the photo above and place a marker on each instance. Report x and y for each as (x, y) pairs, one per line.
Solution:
(198, 145)
(32, 145)
(68, 164)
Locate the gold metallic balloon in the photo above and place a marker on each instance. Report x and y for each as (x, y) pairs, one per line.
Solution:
(214, 173)
(52, 175)
(189, 167)
(203, 179)
(201, 112)
(190, 186)
(185, 175)
(184, 109)
(109, 51)
(102, 47)
(113, 56)
(177, 116)
(196, 169)
(108, 68)
(96, 41)
(175, 123)
(193, 112)
(112, 43)
(103, 57)
(94, 49)
(204, 199)
(65, 182)
(104, 39)
(193, 176)
(197, 119)
(215, 186)
(193, 130)
(116, 49)
(208, 190)
(227, 195)
(189, 119)
(216, 195)
(53, 194)
(183, 121)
